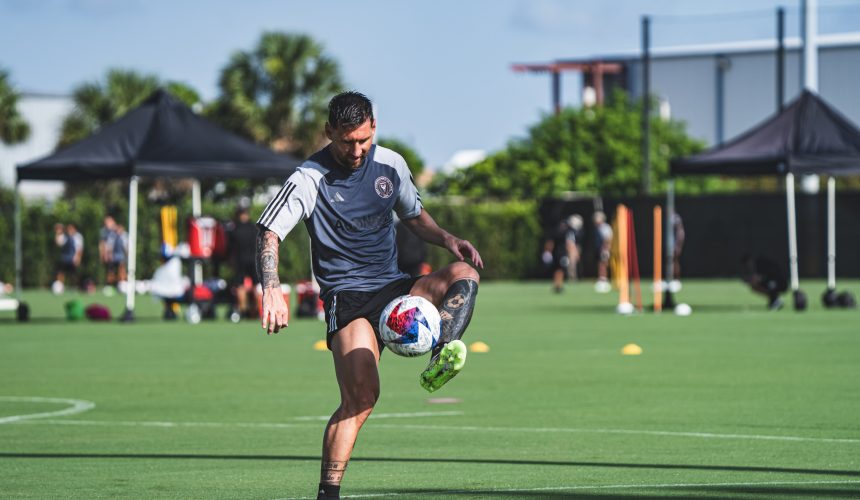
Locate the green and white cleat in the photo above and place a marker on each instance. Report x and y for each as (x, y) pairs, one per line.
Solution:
(444, 366)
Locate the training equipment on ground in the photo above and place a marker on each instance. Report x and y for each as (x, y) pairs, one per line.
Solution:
(444, 366)
(627, 261)
(409, 325)
(683, 310)
(625, 308)
(631, 350)
(479, 347)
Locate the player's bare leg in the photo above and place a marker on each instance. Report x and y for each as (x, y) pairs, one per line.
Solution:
(558, 280)
(356, 360)
(453, 290)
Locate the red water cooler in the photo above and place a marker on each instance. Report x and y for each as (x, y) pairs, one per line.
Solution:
(206, 238)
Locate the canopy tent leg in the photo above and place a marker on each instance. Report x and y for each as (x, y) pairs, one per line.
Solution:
(19, 255)
(132, 249)
(23, 310)
(799, 297)
(831, 233)
(196, 211)
(830, 297)
(669, 301)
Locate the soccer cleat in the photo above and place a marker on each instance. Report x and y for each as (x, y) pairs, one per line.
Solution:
(444, 365)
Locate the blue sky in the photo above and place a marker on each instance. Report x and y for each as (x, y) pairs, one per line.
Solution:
(439, 71)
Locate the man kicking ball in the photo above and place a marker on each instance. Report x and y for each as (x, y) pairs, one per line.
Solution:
(346, 194)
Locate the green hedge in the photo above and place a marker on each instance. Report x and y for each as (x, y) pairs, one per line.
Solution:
(507, 235)
(40, 254)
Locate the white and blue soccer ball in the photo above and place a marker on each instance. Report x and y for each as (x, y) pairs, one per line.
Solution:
(409, 325)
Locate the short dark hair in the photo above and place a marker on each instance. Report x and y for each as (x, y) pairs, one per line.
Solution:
(349, 110)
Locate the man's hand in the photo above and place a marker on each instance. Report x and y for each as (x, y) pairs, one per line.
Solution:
(275, 312)
(462, 249)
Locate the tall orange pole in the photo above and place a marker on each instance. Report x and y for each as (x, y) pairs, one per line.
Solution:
(658, 258)
(623, 269)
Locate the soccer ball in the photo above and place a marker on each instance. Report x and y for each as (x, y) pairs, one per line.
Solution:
(409, 325)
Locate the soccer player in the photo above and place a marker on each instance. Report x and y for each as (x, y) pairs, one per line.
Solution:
(346, 194)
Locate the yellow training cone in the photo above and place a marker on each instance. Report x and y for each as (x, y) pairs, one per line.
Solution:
(320, 345)
(479, 347)
(631, 350)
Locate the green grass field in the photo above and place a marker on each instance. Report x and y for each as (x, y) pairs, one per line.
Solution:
(731, 402)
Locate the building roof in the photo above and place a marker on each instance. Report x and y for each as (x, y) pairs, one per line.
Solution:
(743, 47)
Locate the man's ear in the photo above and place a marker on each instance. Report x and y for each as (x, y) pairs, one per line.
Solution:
(328, 132)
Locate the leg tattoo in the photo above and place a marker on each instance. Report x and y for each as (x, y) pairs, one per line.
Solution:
(456, 312)
(332, 472)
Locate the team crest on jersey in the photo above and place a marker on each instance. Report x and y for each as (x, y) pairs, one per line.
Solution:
(384, 187)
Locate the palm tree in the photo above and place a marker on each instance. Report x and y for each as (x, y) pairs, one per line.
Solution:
(278, 93)
(13, 127)
(100, 103)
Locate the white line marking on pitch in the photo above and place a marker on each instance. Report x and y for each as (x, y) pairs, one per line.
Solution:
(705, 435)
(464, 428)
(77, 406)
(595, 487)
(265, 425)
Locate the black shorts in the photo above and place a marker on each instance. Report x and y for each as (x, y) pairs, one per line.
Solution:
(243, 270)
(345, 306)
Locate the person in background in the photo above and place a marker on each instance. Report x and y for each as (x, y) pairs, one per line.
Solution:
(119, 252)
(561, 253)
(576, 224)
(71, 244)
(107, 238)
(678, 234)
(766, 277)
(603, 233)
(241, 236)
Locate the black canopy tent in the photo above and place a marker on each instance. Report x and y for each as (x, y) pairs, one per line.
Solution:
(808, 136)
(160, 138)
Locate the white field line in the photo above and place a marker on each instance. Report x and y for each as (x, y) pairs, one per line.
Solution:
(704, 435)
(77, 406)
(464, 428)
(251, 425)
(594, 487)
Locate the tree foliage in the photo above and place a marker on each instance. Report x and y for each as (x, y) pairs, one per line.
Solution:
(591, 149)
(277, 94)
(415, 162)
(13, 127)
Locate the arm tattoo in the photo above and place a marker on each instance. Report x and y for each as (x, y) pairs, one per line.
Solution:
(267, 259)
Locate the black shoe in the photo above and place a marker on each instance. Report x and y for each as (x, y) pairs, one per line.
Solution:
(775, 304)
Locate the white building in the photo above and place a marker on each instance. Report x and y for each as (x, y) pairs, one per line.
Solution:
(721, 90)
(45, 115)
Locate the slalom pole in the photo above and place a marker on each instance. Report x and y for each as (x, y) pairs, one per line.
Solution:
(634, 259)
(623, 270)
(658, 258)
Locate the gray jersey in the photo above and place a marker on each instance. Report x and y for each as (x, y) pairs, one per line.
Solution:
(349, 216)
